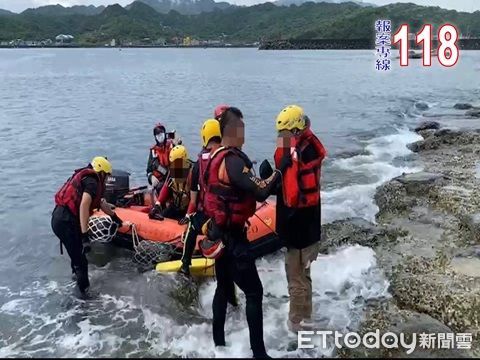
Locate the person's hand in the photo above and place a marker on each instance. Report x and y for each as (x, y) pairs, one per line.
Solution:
(265, 170)
(185, 219)
(108, 205)
(285, 162)
(154, 181)
(117, 220)
(86, 246)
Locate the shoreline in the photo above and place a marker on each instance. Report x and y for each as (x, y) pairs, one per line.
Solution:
(125, 47)
(427, 241)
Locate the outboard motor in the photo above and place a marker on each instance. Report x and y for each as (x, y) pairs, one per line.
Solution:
(117, 186)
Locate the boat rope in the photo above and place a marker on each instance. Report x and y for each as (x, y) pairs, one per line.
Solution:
(135, 237)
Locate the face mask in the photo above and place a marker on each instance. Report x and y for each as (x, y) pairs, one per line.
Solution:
(160, 138)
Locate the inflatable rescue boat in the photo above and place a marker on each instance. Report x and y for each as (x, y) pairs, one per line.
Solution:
(133, 205)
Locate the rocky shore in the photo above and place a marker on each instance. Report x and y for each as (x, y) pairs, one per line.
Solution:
(427, 241)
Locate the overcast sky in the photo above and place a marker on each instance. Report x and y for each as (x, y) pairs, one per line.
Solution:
(20, 5)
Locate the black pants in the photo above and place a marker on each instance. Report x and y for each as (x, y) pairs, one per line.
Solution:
(194, 229)
(237, 266)
(67, 228)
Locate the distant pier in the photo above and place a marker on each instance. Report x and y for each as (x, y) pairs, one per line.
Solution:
(346, 44)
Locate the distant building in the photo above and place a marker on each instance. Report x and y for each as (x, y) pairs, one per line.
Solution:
(113, 43)
(64, 39)
(187, 41)
(160, 42)
(176, 40)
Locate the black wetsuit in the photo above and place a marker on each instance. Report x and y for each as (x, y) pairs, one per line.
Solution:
(67, 228)
(196, 221)
(237, 265)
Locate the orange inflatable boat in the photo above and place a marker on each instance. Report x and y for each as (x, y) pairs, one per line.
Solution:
(260, 232)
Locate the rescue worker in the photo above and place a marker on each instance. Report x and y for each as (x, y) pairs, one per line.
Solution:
(75, 202)
(298, 221)
(158, 163)
(174, 196)
(196, 218)
(230, 200)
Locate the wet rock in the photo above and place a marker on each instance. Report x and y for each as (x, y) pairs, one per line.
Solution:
(420, 178)
(463, 106)
(473, 251)
(466, 266)
(349, 154)
(391, 197)
(473, 113)
(471, 223)
(422, 106)
(427, 125)
(433, 288)
(403, 193)
(355, 231)
(417, 146)
(445, 137)
(409, 323)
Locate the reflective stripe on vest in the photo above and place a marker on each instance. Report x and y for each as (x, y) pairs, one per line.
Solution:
(161, 153)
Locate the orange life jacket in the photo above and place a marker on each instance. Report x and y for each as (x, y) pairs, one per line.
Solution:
(228, 206)
(301, 181)
(70, 194)
(161, 153)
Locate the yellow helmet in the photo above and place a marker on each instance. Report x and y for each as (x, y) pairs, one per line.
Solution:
(210, 129)
(178, 152)
(291, 117)
(100, 163)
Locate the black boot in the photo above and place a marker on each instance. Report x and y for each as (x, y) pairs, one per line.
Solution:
(184, 269)
(156, 213)
(262, 356)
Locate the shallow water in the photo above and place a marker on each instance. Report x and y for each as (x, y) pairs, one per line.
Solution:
(61, 107)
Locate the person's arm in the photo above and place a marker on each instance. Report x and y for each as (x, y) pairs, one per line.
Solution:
(242, 178)
(85, 204)
(150, 166)
(164, 194)
(107, 208)
(194, 188)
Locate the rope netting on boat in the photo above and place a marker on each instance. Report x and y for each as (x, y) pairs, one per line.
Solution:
(150, 253)
(102, 229)
(146, 253)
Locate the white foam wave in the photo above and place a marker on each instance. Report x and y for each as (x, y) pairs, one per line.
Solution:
(357, 200)
(120, 325)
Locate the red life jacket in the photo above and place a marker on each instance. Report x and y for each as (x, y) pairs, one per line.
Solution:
(301, 181)
(203, 159)
(162, 153)
(226, 205)
(70, 194)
